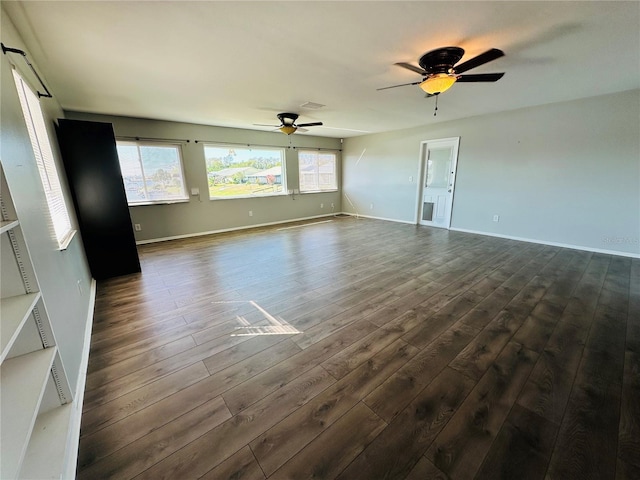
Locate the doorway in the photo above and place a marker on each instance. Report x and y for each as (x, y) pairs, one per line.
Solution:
(438, 161)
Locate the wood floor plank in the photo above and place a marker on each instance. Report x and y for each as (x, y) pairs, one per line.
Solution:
(196, 459)
(392, 396)
(221, 360)
(629, 427)
(154, 416)
(129, 381)
(281, 442)
(138, 362)
(141, 398)
(148, 450)
(424, 470)
(327, 455)
(276, 377)
(114, 338)
(398, 448)
(522, 448)
(586, 446)
(461, 447)
(627, 471)
(480, 353)
(547, 390)
(240, 466)
(361, 351)
(603, 355)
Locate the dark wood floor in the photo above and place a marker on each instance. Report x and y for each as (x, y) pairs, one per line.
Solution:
(424, 354)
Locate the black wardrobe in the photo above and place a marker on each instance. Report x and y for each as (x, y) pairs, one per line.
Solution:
(93, 171)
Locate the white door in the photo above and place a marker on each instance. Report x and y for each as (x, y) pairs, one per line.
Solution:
(438, 159)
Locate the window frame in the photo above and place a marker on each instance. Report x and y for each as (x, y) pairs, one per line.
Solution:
(36, 124)
(283, 175)
(319, 152)
(156, 144)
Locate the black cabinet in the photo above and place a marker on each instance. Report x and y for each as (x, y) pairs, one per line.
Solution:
(93, 171)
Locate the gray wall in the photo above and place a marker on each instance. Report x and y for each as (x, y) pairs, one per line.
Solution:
(566, 173)
(58, 271)
(204, 215)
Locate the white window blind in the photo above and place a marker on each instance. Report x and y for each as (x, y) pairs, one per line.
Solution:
(44, 159)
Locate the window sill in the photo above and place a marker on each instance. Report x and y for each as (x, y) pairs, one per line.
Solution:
(161, 202)
(319, 191)
(283, 194)
(67, 241)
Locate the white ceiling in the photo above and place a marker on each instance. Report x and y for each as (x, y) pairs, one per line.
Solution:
(237, 63)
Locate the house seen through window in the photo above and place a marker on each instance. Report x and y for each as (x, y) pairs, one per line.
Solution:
(234, 171)
(317, 171)
(152, 173)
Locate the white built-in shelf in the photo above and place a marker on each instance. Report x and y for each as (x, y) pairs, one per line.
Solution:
(45, 456)
(6, 225)
(23, 382)
(14, 311)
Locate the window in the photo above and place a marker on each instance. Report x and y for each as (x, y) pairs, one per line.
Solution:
(44, 159)
(152, 173)
(317, 171)
(244, 172)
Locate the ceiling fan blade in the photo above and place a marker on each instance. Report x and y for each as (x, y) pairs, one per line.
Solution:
(403, 85)
(264, 125)
(480, 77)
(413, 68)
(481, 59)
(313, 124)
(299, 129)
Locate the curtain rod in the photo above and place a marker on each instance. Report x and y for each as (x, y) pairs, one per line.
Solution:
(6, 50)
(151, 139)
(268, 145)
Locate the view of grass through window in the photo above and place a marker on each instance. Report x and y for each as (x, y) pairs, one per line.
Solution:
(234, 171)
(151, 173)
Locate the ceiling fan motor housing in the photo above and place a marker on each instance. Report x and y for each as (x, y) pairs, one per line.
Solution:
(287, 118)
(441, 60)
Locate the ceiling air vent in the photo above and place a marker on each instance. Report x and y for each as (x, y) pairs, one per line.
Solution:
(312, 105)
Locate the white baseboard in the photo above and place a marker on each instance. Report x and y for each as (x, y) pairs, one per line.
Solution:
(512, 237)
(553, 244)
(408, 222)
(233, 229)
(73, 438)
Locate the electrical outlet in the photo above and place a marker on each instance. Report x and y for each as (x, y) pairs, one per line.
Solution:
(138, 227)
(333, 206)
(251, 213)
(410, 178)
(496, 218)
(322, 205)
(371, 206)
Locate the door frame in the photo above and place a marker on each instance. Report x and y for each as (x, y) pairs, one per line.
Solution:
(453, 142)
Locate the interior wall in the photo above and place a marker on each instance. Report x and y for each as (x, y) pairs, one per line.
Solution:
(64, 278)
(200, 214)
(565, 173)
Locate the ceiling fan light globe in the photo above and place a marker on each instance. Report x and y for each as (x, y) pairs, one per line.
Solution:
(438, 83)
(287, 129)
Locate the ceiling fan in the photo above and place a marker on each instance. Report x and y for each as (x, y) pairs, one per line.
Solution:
(439, 70)
(288, 123)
